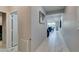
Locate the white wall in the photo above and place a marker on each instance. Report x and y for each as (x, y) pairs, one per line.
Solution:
(0, 19)
(38, 31)
(24, 26)
(70, 28)
(50, 19)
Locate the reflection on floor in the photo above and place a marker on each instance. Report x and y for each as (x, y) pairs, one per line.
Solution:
(2, 45)
(55, 43)
(43, 47)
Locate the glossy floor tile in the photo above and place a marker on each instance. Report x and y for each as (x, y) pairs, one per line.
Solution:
(55, 43)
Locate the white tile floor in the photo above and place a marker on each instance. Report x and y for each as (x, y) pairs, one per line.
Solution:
(2, 49)
(54, 43)
(0, 44)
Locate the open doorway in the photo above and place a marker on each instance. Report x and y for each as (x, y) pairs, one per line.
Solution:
(50, 28)
(2, 30)
(54, 23)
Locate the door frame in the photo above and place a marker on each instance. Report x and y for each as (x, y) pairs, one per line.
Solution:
(12, 27)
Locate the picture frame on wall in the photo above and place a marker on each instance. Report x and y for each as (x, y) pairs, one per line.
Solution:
(60, 24)
(41, 17)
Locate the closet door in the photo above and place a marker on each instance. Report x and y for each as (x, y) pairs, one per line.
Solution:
(14, 28)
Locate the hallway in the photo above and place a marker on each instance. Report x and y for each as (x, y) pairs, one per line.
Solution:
(54, 43)
(29, 34)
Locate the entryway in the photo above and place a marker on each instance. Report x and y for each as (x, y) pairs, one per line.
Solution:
(2, 30)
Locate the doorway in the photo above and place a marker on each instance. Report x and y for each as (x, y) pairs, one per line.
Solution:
(2, 30)
(50, 28)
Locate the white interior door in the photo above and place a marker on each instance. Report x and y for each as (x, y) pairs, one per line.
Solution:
(14, 28)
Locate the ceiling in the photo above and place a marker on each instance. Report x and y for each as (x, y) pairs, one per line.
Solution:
(53, 8)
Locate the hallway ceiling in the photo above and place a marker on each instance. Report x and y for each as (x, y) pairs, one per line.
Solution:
(53, 8)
